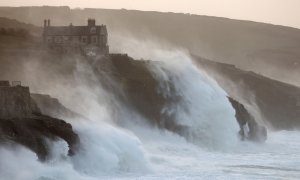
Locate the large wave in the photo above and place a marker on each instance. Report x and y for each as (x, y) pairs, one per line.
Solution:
(110, 149)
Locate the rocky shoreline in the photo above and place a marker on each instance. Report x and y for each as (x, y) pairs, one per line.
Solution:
(44, 121)
(33, 132)
(22, 122)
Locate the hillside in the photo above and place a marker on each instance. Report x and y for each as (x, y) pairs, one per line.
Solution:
(273, 103)
(273, 51)
(14, 24)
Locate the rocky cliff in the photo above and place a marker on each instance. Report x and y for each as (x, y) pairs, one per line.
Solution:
(276, 103)
(141, 90)
(22, 122)
(32, 132)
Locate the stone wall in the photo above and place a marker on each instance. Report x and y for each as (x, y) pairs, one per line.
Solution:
(15, 102)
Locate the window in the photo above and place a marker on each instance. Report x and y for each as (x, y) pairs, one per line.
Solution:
(93, 30)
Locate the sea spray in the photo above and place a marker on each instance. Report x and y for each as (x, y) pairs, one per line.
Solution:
(203, 107)
(108, 149)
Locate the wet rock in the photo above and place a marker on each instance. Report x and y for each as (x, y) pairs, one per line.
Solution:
(277, 102)
(33, 132)
(22, 122)
(249, 128)
(140, 90)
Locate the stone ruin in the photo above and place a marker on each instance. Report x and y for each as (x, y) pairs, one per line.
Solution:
(15, 100)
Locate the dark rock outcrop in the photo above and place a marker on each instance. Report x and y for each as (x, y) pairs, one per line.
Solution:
(141, 88)
(22, 122)
(142, 91)
(33, 132)
(249, 128)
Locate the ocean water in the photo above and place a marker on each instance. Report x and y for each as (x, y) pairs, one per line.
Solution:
(120, 155)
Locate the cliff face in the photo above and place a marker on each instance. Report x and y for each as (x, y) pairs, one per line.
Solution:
(277, 102)
(141, 91)
(139, 86)
(15, 102)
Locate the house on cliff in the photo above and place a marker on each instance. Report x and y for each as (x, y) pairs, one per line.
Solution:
(90, 39)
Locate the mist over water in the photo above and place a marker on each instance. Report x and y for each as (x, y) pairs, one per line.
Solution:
(200, 98)
(208, 149)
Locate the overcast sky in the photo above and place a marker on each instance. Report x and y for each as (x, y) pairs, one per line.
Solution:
(282, 12)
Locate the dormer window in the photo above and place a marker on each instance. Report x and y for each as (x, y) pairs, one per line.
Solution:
(93, 30)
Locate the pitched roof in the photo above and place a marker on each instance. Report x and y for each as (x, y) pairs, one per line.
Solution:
(73, 30)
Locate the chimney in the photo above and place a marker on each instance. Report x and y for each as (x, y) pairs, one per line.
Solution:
(45, 23)
(48, 22)
(91, 22)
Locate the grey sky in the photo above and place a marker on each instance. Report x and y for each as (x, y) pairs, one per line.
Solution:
(282, 12)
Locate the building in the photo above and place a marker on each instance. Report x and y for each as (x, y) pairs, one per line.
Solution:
(90, 39)
(15, 100)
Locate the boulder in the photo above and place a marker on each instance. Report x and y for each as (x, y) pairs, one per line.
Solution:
(249, 128)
